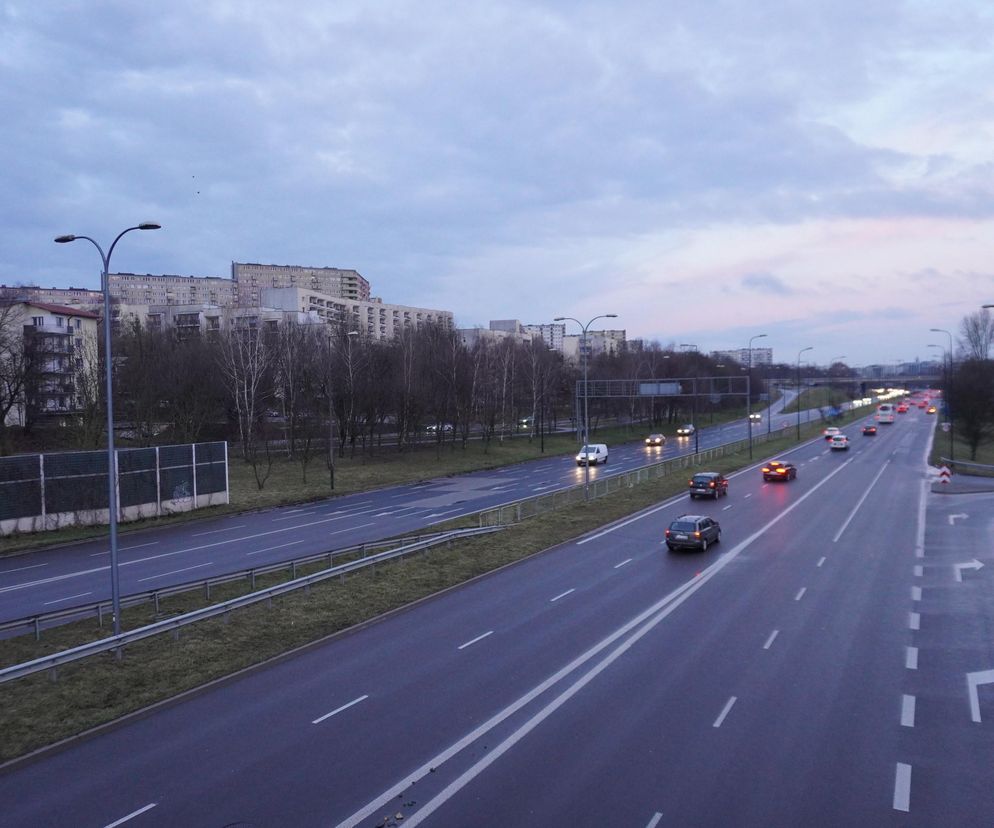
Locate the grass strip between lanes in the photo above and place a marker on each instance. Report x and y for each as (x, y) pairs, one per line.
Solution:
(35, 711)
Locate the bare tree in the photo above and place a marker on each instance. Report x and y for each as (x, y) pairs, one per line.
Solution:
(977, 335)
(13, 365)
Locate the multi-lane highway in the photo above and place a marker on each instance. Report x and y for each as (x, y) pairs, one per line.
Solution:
(56, 579)
(828, 663)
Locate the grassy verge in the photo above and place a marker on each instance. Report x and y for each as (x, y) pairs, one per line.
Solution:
(35, 711)
(960, 448)
(818, 397)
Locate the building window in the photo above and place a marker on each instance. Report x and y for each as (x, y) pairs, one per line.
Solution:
(38, 321)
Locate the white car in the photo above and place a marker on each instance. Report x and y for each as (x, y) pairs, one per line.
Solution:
(838, 442)
(831, 432)
(755, 416)
(685, 430)
(592, 454)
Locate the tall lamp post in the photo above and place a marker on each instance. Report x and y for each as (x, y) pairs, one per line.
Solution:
(115, 585)
(946, 382)
(583, 356)
(749, 391)
(809, 348)
(697, 440)
(949, 410)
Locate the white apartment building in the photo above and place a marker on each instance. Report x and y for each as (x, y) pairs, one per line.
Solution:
(57, 344)
(552, 333)
(136, 289)
(760, 356)
(598, 342)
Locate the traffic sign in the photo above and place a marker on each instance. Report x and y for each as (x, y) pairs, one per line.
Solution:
(946, 426)
(944, 474)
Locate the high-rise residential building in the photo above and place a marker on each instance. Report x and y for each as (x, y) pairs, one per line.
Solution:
(137, 289)
(552, 333)
(251, 278)
(598, 342)
(760, 356)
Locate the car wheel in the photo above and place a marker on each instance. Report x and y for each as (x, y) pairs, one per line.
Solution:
(704, 546)
(670, 547)
(717, 538)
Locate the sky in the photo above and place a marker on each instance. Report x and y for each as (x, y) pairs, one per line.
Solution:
(821, 172)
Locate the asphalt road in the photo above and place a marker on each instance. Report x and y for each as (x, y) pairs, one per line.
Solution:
(60, 578)
(812, 669)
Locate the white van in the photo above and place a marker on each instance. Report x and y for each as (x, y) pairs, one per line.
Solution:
(592, 454)
(885, 413)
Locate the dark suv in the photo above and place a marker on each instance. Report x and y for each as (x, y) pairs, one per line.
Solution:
(708, 484)
(693, 532)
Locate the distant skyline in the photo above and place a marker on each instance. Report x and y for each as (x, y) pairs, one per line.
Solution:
(819, 172)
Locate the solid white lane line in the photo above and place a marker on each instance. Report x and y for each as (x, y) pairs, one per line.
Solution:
(920, 538)
(33, 566)
(859, 503)
(771, 639)
(907, 711)
(919, 570)
(800, 593)
(914, 621)
(136, 546)
(271, 548)
(132, 815)
(60, 600)
(902, 787)
(724, 712)
(625, 561)
(635, 629)
(320, 719)
(474, 640)
(911, 658)
(216, 531)
(174, 572)
(821, 561)
(916, 593)
(655, 820)
(562, 595)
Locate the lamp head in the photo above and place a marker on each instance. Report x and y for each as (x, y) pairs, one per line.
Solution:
(64, 239)
(149, 225)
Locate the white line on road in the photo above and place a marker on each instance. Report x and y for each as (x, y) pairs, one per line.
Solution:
(215, 531)
(907, 711)
(920, 536)
(625, 561)
(916, 593)
(474, 640)
(911, 658)
(973, 681)
(821, 560)
(297, 514)
(124, 548)
(771, 639)
(174, 572)
(271, 548)
(60, 600)
(33, 566)
(726, 508)
(919, 570)
(859, 503)
(724, 712)
(562, 595)
(800, 593)
(132, 815)
(746, 495)
(914, 621)
(902, 788)
(339, 709)
(655, 820)
(635, 629)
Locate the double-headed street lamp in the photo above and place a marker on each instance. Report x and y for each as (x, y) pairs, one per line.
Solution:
(586, 421)
(798, 400)
(749, 391)
(697, 438)
(949, 410)
(111, 459)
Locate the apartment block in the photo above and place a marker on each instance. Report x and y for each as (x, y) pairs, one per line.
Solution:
(760, 356)
(598, 342)
(250, 279)
(552, 333)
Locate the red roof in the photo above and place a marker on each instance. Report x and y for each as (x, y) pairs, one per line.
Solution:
(64, 310)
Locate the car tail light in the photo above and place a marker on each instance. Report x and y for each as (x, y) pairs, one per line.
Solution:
(766, 469)
(667, 533)
(781, 471)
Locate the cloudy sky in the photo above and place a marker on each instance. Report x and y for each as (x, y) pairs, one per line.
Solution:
(817, 171)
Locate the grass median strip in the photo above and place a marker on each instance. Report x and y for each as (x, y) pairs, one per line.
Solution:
(36, 711)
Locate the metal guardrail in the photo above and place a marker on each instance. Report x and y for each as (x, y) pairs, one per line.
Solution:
(116, 643)
(99, 608)
(979, 469)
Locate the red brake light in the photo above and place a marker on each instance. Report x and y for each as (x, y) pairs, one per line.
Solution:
(781, 471)
(667, 533)
(766, 468)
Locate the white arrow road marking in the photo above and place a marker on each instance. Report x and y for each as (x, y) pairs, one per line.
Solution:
(973, 681)
(958, 568)
(954, 518)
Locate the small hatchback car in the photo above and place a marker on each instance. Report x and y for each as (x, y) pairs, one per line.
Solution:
(708, 484)
(693, 532)
(779, 470)
(839, 442)
(869, 430)
(656, 440)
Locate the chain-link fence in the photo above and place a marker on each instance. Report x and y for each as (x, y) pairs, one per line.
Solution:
(49, 491)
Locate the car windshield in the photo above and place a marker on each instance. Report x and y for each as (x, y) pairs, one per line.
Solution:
(683, 526)
(587, 450)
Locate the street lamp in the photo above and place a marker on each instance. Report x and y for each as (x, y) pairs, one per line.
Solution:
(949, 410)
(697, 368)
(946, 383)
(583, 356)
(749, 391)
(115, 586)
(809, 348)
